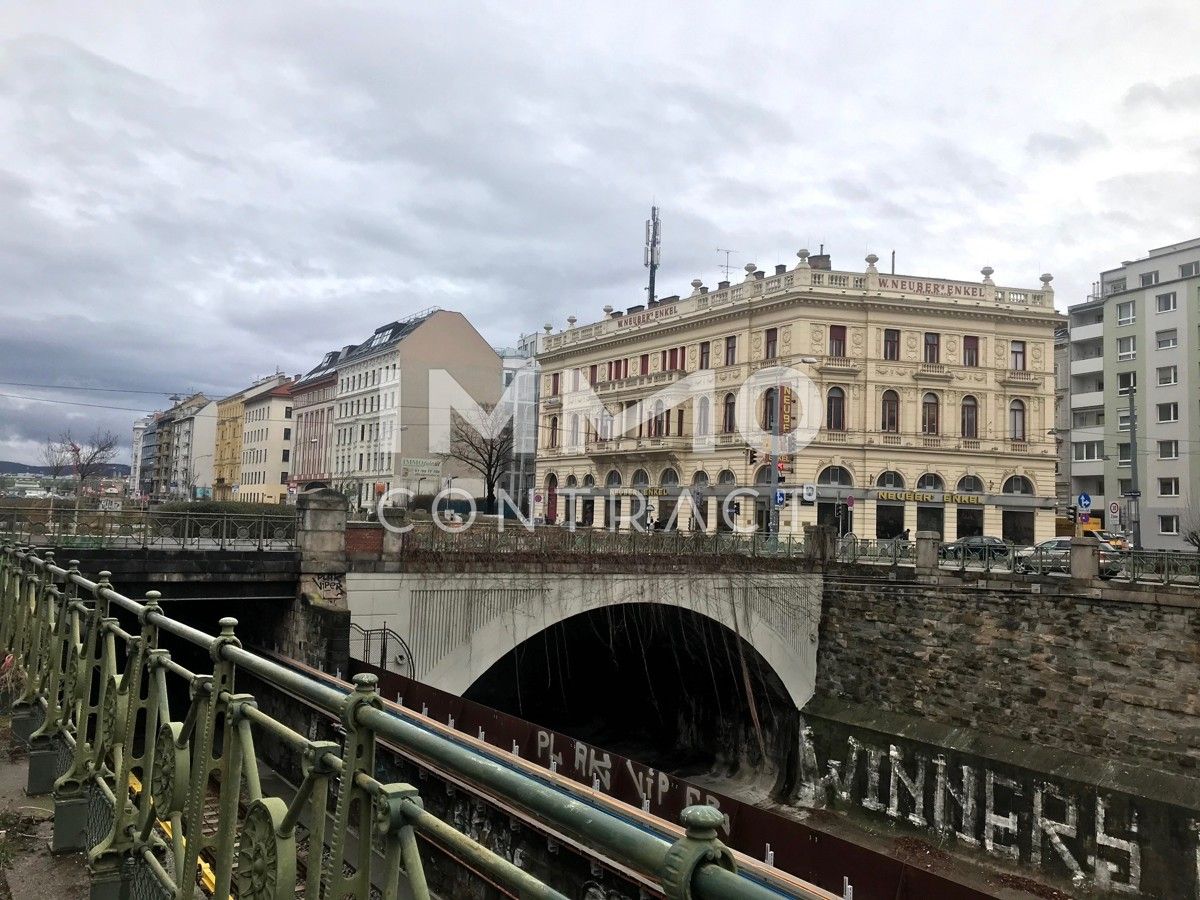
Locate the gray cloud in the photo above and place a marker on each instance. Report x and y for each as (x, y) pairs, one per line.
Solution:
(188, 216)
(1182, 93)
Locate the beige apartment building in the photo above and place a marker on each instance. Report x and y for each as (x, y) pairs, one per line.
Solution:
(931, 404)
(227, 451)
(266, 457)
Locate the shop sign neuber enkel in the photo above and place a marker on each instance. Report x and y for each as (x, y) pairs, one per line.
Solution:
(928, 497)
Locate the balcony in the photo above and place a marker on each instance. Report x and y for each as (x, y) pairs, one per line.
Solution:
(643, 445)
(1021, 378)
(839, 365)
(1087, 332)
(1085, 399)
(552, 401)
(1087, 366)
(1087, 468)
(638, 382)
(928, 371)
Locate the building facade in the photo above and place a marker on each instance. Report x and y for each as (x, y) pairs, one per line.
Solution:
(521, 382)
(227, 464)
(266, 456)
(930, 403)
(183, 455)
(1062, 418)
(383, 410)
(135, 454)
(313, 399)
(1138, 337)
(148, 458)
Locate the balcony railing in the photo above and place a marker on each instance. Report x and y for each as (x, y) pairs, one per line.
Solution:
(939, 371)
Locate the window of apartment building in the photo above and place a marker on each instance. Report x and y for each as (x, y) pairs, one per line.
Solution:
(592, 374)
(1166, 302)
(1116, 286)
(644, 363)
(287, 412)
(970, 350)
(1016, 420)
(1016, 356)
(1168, 412)
(286, 456)
(1168, 487)
(1168, 449)
(933, 344)
(837, 340)
(1087, 451)
(1127, 348)
(731, 350)
(770, 343)
(554, 379)
(1126, 382)
(1168, 524)
(835, 409)
(1188, 270)
(891, 343)
(1123, 455)
(1167, 339)
(283, 477)
(1168, 375)
(1124, 486)
(705, 350)
(553, 431)
(1122, 420)
(970, 418)
(929, 414)
(1126, 313)
(1148, 279)
(889, 412)
(729, 414)
(287, 434)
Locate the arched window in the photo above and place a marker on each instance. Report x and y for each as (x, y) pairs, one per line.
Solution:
(729, 422)
(574, 431)
(551, 481)
(589, 481)
(613, 479)
(768, 410)
(763, 475)
(700, 479)
(835, 409)
(640, 479)
(1016, 420)
(668, 478)
(726, 476)
(702, 416)
(572, 481)
(929, 414)
(930, 482)
(554, 431)
(890, 479)
(970, 484)
(835, 475)
(889, 413)
(970, 417)
(1018, 484)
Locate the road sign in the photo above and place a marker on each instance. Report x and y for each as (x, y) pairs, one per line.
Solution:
(1085, 518)
(1132, 494)
(849, 503)
(537, 498)
(808, 493)
(779, 498)
(1114, 508)
(1085, 500)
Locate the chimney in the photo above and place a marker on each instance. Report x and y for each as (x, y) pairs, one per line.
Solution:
(759, 274)
(820, 261)
(721, 285)
(780, 269)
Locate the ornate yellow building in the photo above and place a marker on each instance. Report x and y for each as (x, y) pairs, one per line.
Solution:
(933, 398)
(227, 453)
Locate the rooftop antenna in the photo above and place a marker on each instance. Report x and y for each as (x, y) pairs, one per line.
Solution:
(653, 248)
(727, 267)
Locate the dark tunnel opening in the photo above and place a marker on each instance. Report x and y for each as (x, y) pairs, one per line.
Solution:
(663, 685)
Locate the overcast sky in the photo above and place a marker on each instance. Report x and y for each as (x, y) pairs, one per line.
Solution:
(197, 193)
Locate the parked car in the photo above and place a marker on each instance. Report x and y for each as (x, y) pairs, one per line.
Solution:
(978, 547)
(1054, 555)
(1118, 541)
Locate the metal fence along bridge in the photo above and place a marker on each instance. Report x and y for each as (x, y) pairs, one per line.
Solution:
(155, 774)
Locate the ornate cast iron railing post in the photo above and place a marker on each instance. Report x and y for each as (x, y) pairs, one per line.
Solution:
(354, 803)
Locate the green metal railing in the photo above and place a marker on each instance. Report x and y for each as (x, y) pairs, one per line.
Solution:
(140, 784)
(141, 529)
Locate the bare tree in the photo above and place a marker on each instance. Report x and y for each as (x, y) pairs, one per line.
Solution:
(483, 444)
(56, 461)
(1189, 526)
(89, 456)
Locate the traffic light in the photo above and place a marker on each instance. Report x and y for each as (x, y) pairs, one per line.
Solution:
(782, 467)
(1073, 514)
(753, 454)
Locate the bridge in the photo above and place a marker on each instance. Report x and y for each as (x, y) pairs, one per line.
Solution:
(873, 682)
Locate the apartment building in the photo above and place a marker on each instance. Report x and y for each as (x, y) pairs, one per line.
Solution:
(383, 409)
(266, 455)
(227, 463)
(313, 405)
(135, 453)
(1137, 337)
(930, 404)
(183, 457)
